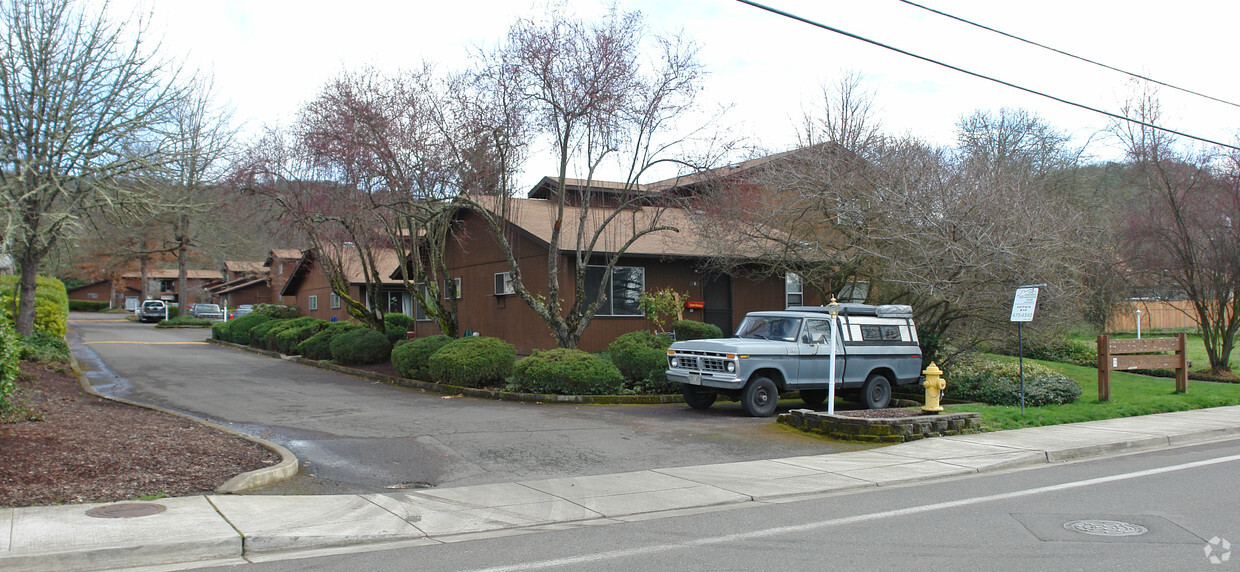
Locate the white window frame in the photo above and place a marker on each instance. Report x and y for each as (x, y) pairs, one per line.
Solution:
(313, 302)
(794, 286)
(333, 300)
(457, 283)
(504, 288)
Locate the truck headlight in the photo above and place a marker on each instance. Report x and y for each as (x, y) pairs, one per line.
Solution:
(675, 362)
(731, 367)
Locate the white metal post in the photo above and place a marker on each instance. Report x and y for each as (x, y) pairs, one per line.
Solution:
(1138, 323)
(831, 387)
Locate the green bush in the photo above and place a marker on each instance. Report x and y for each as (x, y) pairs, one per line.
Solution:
(977, 378)
(567, 372)
(258, 334)
(269, 339)
(87, 306)
(641, 358)
(394, 333)
(318, 346)
(1062, 350)
(695, 330)
(360, 346)
(51, 304)
(298, 330)
(185, 321)
(45, 348)
(406, 322)
(9, 363)
(475, 361)
(410, 358)
(239, 329)
(277, 311)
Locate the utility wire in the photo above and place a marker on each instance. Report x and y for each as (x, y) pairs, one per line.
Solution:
(985, 77)
(1063, 53)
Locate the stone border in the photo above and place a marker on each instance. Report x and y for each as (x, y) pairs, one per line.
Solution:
(470, 391)
(883, 430)
(285, 469)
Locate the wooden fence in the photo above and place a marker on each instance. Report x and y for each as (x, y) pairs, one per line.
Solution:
(1155, 315)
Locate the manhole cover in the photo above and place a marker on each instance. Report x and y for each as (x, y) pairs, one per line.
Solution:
(126, 510)
(1106, 528)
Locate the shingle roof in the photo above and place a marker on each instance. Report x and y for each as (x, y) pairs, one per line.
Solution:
(172, 273)
(253, 266)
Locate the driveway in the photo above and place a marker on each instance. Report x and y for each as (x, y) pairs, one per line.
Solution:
(354, 435)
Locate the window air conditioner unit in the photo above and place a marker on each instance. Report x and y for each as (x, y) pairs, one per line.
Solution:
(503, 284)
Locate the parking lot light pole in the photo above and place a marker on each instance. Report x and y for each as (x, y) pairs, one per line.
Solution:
(834, 309)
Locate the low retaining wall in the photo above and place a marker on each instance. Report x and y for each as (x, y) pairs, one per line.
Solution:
(882, 430)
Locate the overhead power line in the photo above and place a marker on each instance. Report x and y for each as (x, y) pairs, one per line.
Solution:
(1063, 53)
(981, 76)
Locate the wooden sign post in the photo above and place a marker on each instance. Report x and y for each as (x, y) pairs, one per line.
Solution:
(1127, 354)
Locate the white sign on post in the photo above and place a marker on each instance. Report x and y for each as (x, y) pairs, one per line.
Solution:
(1024, 303)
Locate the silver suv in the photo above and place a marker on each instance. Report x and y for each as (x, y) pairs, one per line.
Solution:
(153, 311)
(790, 350)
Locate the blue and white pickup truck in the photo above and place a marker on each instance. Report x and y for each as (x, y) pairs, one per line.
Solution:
(789, 350)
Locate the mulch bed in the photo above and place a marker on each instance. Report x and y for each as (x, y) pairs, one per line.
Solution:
(82, 448)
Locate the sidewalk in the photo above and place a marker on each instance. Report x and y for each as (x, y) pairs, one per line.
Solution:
(222, 529)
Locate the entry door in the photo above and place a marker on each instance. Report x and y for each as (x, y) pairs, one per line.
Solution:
(717, 295)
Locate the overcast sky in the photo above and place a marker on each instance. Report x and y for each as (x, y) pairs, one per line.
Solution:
(270, 56)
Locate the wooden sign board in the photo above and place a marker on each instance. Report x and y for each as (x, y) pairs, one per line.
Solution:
(1122, 355)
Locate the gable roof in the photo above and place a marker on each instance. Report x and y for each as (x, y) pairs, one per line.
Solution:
(251, 266)
(387, 261)
(281, 254)
(164, 274)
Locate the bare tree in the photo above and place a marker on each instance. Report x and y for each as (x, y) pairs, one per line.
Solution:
(82, 103)
(1183, 234)
(589, 88)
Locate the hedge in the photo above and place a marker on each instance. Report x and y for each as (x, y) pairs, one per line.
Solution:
(411, 358)
(296, 331)
(976, 378)
(567, 372)
(51, 303)
(641, 357)
(87, 306)
(695, 330)
(9, 363)
(475, 361)
(239, 329)
(406, 322)
(318, 346)
(360, 346)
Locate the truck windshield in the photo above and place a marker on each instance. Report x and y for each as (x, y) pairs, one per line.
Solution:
(769, 328)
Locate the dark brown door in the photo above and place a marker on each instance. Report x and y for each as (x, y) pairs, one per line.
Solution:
(717, 292)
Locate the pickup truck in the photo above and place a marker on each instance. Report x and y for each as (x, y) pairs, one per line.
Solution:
(789, 350)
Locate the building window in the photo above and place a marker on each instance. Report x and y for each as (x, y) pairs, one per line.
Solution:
(450, 286)
(166, 286)
(625, 290)
(421, 314)
(855, 291)
(395, 302)
(313, 302)
(503, 284)
(334, 300)
(794, 294)
(92, 295)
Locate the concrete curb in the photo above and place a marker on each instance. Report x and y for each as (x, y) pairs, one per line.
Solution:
(470, 391)
(286, 468)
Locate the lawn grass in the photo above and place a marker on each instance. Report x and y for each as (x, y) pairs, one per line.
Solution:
(1130, 395)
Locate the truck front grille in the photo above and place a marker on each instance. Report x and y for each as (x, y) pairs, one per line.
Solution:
(702, 361)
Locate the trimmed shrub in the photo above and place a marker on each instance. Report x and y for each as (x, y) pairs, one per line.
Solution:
(567, 372)
(395, 333)
(695, 330)
(9, 363)
(258, 334)
(977, 378)
(641, 358)
(360, 346)
(406, 322)
(185, 321)
(220, 331)
(51, 304)
(1062, 350)
(239, 329)
(318, 346)
(475, 361)
(296, 331)
(45, 348)
(277, 311)
(410, 358)
(87, 306)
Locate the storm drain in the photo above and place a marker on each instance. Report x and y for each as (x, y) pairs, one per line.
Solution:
(1105, 528)
(126, 510)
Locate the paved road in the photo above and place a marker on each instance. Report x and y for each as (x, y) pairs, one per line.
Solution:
(1166, 507)
(354, 435)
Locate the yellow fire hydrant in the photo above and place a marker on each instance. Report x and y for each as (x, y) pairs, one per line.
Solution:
(934, 384)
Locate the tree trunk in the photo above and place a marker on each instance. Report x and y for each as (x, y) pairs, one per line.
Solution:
(25, 294)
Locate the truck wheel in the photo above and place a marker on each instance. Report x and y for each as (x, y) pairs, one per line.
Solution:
(876, 393)
(698, 399)
(813, 397)
(760, 397)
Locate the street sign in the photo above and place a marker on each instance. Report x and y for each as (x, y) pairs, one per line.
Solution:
(1024, 303)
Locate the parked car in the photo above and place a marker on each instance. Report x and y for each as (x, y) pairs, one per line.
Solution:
(789, 350)
(241, 311)
(208, 311)
(152, 311)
